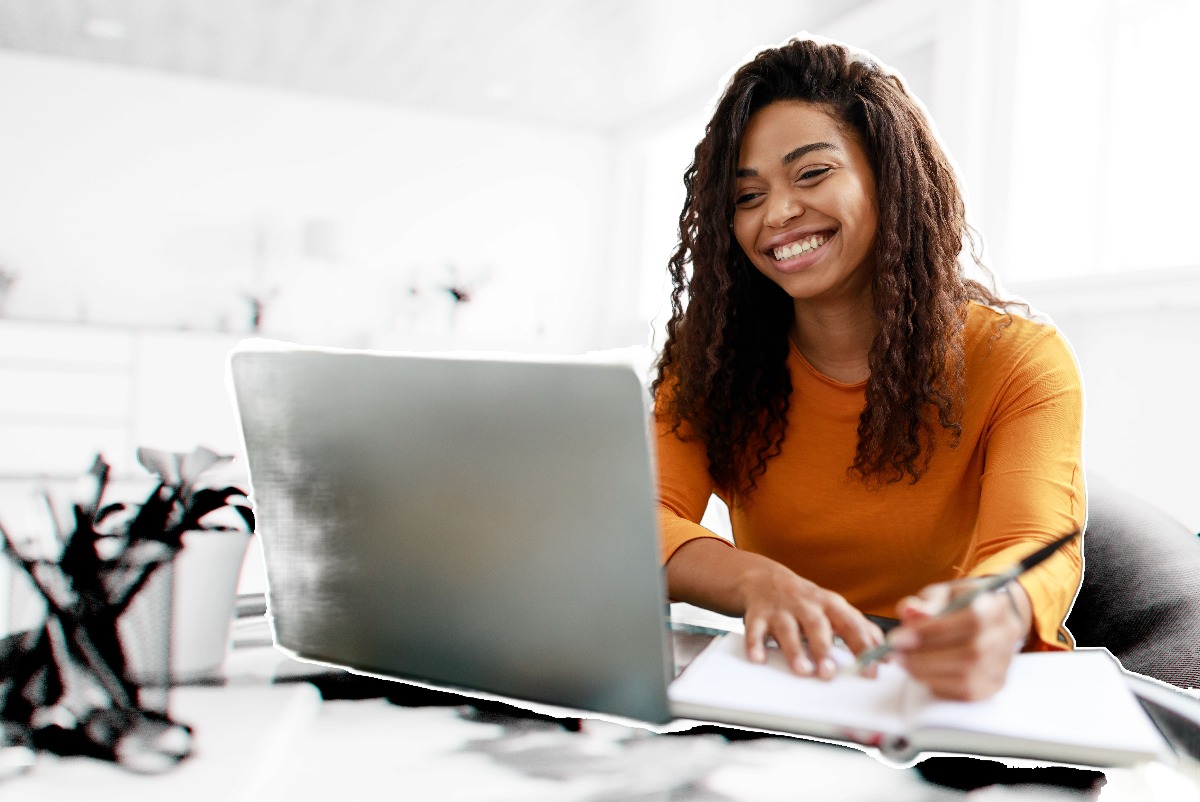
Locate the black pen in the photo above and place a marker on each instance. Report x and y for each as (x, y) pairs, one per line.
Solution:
(986, 584)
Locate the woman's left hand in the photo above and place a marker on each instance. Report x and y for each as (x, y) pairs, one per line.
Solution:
(965, 654)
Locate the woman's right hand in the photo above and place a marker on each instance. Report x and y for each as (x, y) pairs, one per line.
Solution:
(802, 618)
(775, 602)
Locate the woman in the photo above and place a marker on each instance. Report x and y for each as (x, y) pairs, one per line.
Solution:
(881, 427)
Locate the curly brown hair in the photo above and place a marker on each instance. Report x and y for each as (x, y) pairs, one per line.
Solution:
(724, 359)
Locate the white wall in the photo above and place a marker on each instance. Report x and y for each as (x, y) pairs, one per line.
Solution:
(135, 204)
(155, 200)
(1103, 163)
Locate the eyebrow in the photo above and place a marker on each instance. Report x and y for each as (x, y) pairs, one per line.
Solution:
(800, 152)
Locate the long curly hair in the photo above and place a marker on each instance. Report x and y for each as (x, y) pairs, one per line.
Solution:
(723, 364)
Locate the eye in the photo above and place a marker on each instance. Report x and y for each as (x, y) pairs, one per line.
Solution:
(746, 198)
(811, 174)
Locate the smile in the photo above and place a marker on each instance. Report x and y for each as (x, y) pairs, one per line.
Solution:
(794, 249)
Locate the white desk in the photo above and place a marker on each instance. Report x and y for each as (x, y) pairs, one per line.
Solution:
(241, 734)
(257, 741)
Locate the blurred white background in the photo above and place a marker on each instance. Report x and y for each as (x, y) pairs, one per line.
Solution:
(506, 174)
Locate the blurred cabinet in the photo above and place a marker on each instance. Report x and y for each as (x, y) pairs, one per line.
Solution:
(70, 391)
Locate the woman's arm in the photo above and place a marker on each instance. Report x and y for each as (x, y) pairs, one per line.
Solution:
(709, 572)
(1031, 493)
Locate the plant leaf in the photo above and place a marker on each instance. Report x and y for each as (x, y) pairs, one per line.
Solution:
(205, 501)
(200, 460)
(150, 523)
(163, 463)
(92, 486)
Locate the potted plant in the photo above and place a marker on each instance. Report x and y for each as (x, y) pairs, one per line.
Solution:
(69, 686)
(214, 521)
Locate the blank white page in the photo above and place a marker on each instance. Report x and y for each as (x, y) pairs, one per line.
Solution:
(1078, 697)
(722, 678)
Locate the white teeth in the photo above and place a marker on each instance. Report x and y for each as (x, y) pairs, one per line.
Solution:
(799, 247)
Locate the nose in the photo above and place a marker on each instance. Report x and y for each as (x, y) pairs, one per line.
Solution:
(781, 209)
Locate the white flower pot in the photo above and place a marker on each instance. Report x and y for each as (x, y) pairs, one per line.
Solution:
(204, 589)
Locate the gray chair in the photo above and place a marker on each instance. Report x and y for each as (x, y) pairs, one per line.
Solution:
(1140, 596)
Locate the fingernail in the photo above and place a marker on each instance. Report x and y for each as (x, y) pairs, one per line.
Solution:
(828, 668)
(802, 665)
(903, 639)
(757, 655)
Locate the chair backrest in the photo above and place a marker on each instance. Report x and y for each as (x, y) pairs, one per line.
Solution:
(1140, 596)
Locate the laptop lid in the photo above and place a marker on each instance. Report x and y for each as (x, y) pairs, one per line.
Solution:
(472, 522)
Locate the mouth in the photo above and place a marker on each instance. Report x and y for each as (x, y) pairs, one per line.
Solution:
(800, 247)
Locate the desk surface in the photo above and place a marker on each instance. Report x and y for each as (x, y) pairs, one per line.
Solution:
(263, 741)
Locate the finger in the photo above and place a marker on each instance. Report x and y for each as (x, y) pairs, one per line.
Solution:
(943, 631)
(969, 648)
(987, 618)
(929, 664)
(756, 632)
(818, 634)
(871, 669)
(859, 632)
(908, 635)
(787, 634)
(957, 675)
(922, 617)
(869, 641)
(964, 687)
(930, 601)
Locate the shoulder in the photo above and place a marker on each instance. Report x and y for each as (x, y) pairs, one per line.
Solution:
(1012, 362)
(1001, 342)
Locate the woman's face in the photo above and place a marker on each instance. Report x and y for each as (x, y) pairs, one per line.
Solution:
(804, 207)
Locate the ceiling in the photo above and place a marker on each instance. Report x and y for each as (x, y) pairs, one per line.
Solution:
(592, 64)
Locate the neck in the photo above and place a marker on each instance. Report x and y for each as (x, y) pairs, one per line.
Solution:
(836, 339)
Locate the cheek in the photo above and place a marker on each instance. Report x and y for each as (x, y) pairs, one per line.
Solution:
(867, 220)
(870, 228)
(743, 233)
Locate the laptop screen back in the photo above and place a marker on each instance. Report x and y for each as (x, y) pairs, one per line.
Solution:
(484, 524)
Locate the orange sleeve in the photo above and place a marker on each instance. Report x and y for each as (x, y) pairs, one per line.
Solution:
(1032, 488)
(684, 485)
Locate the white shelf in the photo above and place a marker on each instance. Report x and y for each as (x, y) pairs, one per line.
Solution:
(75, 390)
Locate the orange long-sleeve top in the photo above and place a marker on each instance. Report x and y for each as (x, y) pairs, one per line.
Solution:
(1013, 483)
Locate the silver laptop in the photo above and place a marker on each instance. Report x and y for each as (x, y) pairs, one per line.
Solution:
(477, 523)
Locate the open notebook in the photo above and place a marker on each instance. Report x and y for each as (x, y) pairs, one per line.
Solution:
(1067, 707)
(488, 524)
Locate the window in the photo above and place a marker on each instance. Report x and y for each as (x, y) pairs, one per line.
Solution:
(1103, 166)
(1152, 167)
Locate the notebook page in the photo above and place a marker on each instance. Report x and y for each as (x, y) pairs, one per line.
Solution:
(1078, 698)
(722, 678)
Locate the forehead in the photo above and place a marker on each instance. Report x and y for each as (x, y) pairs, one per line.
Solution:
(779, 128)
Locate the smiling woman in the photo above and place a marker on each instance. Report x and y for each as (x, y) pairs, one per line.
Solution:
(884, 430)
